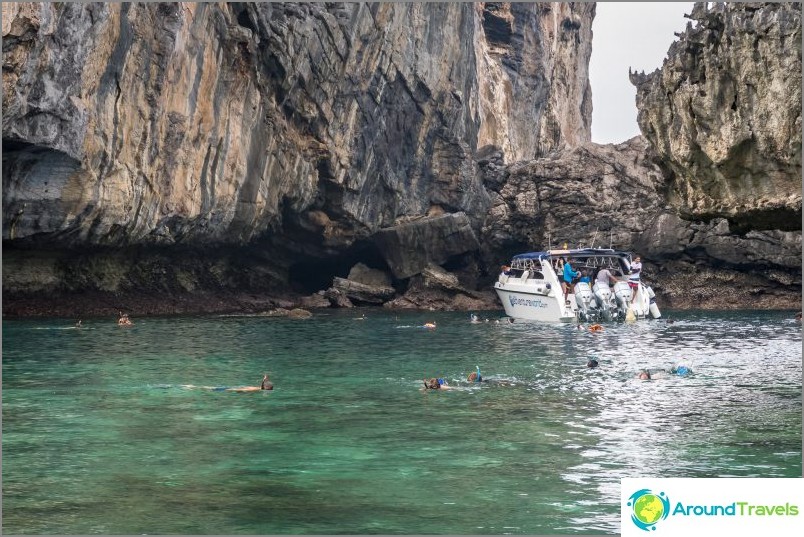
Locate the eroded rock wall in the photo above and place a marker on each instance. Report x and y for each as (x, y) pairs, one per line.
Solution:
(187, 123)
(724, 114)
(616, 196)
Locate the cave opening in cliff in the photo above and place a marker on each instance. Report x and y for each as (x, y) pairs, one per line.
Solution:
(315, 274)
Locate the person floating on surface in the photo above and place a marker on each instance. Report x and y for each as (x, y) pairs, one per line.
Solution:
(644, 375)
(435, 384)
(431, 324)
(681, 370)
(266, 384)
(475, 376)
(124, 320)
(596, 328)
(592, 363)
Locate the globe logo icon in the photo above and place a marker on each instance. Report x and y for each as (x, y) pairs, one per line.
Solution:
(648, 508)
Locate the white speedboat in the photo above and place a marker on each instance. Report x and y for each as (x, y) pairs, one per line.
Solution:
(530, 288)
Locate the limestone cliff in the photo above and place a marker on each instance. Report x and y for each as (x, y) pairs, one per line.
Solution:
(296, 131)
(189, 123)
(724, 115)
(175, 157)
(615, 196)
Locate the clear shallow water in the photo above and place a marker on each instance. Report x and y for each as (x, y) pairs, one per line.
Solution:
(100, 436)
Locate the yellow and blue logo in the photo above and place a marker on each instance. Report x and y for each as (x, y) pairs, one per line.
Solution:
(648, 508)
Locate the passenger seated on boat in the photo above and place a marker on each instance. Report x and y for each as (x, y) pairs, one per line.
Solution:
(585, 277)
(506, 270)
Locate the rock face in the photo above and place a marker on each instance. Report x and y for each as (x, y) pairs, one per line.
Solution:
(410, 247)
(591, 195)
(614, 196)
(296, 131)
(724, 115)
(254, 156)
(189, 123)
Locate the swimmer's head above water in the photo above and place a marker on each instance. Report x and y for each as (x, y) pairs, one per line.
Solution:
(266, 383)
(434, 383)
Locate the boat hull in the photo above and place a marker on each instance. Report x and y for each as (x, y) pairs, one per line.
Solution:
(520, 304)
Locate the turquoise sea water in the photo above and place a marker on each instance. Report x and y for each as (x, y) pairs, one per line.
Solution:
(100, 435)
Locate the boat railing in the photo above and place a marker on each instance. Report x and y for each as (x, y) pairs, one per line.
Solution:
(594, 262)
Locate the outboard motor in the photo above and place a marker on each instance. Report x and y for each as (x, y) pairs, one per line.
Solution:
(653, 308)
(604, 299)
(623, 294)
(585, 299)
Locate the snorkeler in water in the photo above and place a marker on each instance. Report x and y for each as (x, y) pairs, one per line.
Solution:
(475, 376)
(644, 375)
(437, 383)
(681, 370)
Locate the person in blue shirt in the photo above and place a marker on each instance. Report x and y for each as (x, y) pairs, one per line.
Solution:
(586, 278)
(569, 275)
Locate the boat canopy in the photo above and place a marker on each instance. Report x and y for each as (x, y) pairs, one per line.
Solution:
(581, 252)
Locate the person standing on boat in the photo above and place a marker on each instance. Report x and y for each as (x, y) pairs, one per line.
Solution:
(569, 275)
(633, 277)
(605, 276)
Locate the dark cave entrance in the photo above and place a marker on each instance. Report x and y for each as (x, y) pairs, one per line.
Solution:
(315, 274)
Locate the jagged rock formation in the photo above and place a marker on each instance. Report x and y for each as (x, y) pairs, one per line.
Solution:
(724, 115)
(189, 123)
(409, 247)
(614, 195)
(263, 156)
(298, 129)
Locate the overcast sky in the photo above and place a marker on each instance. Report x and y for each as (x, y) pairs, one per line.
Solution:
(627, 34)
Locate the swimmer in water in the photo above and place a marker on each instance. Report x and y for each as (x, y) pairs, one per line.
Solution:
(266, 384)
(475, 376)
(430, 324)
(681, 370)
(435, 384)
(644, 375)
(595, 328)
(592, 363)
(473, 318)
